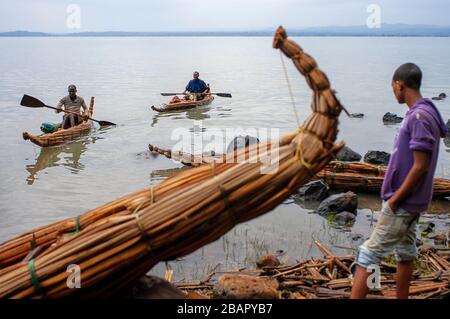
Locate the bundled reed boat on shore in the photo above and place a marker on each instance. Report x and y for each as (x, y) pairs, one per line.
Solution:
(184, 104)
(62, 136)
(349, 176)
(117, 243)
(363, 177)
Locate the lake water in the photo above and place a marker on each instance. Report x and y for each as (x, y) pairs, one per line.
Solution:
(126, 75)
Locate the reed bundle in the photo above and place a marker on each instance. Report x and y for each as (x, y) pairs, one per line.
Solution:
(120, 241)
(355, 168)
(365, 177)
(351, 181)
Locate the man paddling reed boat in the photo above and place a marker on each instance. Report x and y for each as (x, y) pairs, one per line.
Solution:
(72, 103)
(196, 88)
(408, 185)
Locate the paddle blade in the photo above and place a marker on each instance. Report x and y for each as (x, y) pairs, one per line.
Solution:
(30, 101)
(224, 94)
(106, 123)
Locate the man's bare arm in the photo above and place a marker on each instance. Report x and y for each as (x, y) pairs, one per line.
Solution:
(414, 177)
(59, 106)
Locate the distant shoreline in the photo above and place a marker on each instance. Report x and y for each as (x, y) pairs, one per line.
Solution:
(229, 36)
(386, 30)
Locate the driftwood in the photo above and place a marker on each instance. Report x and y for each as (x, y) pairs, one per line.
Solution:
(117, 243)
(329, 278)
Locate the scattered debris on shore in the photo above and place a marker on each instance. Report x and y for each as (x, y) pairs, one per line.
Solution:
(327, 278)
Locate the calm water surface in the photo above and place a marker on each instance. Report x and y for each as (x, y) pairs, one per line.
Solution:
(126, 75)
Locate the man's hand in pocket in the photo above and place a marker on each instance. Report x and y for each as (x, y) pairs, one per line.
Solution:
(392, 205)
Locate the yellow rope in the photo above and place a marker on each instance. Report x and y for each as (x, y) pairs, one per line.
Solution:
(143, 233)
(299, 153)
(152, 196)
(138, 220)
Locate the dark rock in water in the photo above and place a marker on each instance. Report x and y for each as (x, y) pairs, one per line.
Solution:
(346, 154)
(267, 261)
(151, 287)
(246, 287)
(314, 191)
(338, 203)
(356, 237)
(240, 142)
(427, 227)
(344, 218)
(440, 97)
(391, 118)
(357, 115)
(447, 140)
(379, 158)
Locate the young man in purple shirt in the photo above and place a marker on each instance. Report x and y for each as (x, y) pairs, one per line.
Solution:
(408, 184)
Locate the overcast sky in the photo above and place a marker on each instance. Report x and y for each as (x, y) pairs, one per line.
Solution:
(212, 15)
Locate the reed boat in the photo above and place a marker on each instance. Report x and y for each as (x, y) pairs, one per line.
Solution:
(62, 136)
(183, 105)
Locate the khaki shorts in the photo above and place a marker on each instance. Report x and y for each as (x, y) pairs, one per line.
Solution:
(393, 232)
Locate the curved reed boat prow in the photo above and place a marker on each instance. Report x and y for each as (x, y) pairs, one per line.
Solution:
(117, 243)
(62, 136)
(320, 129)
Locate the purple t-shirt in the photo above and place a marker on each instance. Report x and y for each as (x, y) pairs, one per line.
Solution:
(421, 130)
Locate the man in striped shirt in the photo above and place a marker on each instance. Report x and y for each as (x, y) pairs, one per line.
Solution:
(72, 103)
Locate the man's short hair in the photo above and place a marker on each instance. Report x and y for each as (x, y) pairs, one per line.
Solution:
(410, 74)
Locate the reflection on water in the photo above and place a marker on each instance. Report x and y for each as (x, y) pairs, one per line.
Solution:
(159, 175)
(196, 114)
(67, 155)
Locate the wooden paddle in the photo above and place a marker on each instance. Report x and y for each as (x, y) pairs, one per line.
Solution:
(218, 94)
(30, 101)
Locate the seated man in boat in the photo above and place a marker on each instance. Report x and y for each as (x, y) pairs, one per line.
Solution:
(72, 103)
(196, 88)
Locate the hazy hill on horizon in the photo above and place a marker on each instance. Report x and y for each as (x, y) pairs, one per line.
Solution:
(384, 30)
